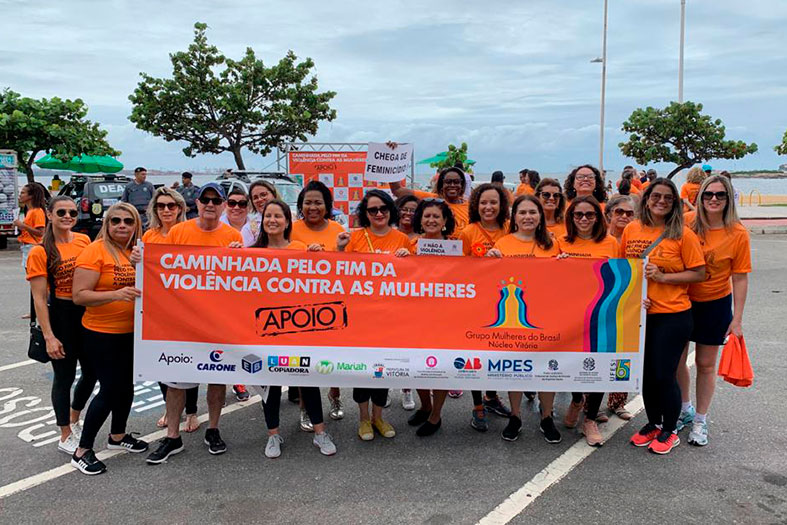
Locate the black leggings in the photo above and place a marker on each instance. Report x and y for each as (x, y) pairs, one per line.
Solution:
(191, 397)
(665, 337)
(66, 320)
(379, 396)
(112, 358)
(478, 400)
(593, 404)
(311, 401)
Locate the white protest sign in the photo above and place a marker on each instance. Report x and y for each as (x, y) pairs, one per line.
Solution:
(438, 247)
(385, 164)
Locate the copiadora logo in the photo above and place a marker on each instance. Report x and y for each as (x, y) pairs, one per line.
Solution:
(324, 367)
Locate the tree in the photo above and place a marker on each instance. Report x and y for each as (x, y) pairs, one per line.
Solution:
(217, 104)
(781, 149)
(679, 134)
(29, 127)
(453, 156)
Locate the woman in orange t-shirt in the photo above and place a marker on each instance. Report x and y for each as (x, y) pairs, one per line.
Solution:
(275, 230)
(586, 237)
(166, 209)
(50, 265)
(406, 206)
(619, 212)
(691, 188)
(31, 229)
(674, 262)
(104, 283)
(717, 302)
(529, 237)
(451, 184)
(376, 215)
(584, 181)
(554, 203)
(317, 230)
(489, 214)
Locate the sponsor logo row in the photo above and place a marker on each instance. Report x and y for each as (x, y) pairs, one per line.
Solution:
(465, 366)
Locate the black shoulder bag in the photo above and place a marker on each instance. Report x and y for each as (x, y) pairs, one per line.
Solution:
(37, 348)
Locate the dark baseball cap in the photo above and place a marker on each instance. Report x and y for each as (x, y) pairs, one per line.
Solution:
(138, 169)
(212, 186)
(186, 174)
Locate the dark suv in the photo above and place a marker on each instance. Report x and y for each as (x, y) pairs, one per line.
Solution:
(94, 194)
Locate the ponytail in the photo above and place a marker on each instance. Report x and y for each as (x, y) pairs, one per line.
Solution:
(49, 244)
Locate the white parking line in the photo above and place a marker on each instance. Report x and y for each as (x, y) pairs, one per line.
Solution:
(558, 469)
(17, 365)
(49, 475)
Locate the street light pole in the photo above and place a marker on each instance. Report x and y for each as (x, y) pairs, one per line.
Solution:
(603, 91)
(682, 38)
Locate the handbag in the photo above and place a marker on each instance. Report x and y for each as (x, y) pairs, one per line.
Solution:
(36, 350)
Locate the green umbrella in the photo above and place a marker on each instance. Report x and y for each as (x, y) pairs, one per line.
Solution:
(82, 164)
(441, 157)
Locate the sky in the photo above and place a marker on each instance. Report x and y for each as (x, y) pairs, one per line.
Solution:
(512, 79)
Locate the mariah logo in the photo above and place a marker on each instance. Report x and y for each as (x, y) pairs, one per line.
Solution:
(511, 307)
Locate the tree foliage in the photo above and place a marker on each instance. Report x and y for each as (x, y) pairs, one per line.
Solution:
(781, 149)
(217, 104)
(454, 155)
(679, 134)
(59, 127)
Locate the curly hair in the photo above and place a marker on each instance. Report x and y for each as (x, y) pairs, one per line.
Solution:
(363, 218)
(695, 175)
(446, 171)
(327, 197)
(448, 215)
(599, 192)
(475, 200)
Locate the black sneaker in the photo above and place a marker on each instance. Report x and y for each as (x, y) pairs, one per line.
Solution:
(128, 443)
(88, 464)
(294, 394)
(216, 445)
(167, 447)
(418, 418)
(512, 430)
(496, 406)
(551, 435)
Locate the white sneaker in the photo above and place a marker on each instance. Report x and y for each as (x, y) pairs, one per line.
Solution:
(325, 444)
(76, 429)
(273, 448)
(69, 446)
(306, 423)
(699, 434)
(408, 403)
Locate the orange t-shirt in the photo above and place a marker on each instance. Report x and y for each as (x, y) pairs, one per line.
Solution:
(477, 240)
(557, 230)
(460, 210)
(388, 243)
(116, 317)
(294, 245)
(636, 183)
(154, 237)
(726, 252)
(671, 256)
(645, 185)
(510, 246)
(325, 238)
(590, 249)
(189, 233)
(689, 191)
(64, 277)
(34, 218)
(524, 189)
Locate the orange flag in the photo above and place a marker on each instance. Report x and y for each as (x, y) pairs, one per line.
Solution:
(735, 366)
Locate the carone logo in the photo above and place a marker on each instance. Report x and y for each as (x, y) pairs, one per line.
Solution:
(471, 363)
(324, 367)
(216, 355)
(511, 307)
(303, 318)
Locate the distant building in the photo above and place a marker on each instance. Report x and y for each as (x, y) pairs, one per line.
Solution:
(783, 168)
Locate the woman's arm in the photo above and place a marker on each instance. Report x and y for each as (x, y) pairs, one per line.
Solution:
(35, 232)
(38, 287)
(740, 287)
(85, 295)
(687, 276)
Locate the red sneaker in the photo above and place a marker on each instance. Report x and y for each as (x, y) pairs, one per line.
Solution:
(241, 394)
(645, 436)
(664, 443)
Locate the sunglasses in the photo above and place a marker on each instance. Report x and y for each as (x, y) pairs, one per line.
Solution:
(430, 200)
(217, 201)
(128, 221)
(234, 203)
(720, 195)
(620, 212)
(546, 195)
(589, 215)
(62, 213)
(166, 205)
(376, 210)
(666, 197)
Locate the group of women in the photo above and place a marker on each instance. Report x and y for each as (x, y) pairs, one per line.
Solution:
(697, 278)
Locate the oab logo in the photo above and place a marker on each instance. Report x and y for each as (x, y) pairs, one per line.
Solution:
(302, 318)
(324, 367)
(471, 363)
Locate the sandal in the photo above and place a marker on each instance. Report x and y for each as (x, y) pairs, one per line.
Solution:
(623, 414)
(192, 423)
(602, 418)
(162, 421)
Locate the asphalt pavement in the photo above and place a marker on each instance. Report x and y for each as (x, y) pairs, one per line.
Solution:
(456, 476)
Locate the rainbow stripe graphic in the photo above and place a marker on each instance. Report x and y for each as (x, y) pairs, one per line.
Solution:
(511, 307)
(617, 280)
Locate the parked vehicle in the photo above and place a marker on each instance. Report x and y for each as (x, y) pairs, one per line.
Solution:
(94, 194)
(9, 192)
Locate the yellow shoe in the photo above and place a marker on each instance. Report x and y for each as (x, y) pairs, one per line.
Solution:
(384, 428)
(365, 431)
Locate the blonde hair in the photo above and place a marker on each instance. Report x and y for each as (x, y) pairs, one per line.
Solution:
(729, 215)
(695, 175)
(113, 247)
(153, 221)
